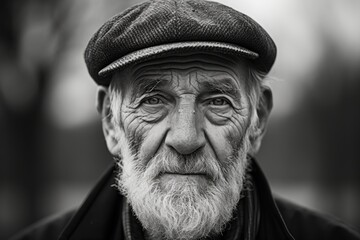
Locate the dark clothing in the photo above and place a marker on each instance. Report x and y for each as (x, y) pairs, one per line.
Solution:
(106, 215)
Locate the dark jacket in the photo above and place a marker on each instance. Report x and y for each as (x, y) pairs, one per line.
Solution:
(102, 216)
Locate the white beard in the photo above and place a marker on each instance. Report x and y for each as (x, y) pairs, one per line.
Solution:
(182, 209)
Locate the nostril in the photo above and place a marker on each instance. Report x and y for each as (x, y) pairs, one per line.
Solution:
(185, 143)
(186, 150)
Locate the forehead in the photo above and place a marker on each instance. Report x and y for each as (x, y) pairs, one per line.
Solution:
(194, 69)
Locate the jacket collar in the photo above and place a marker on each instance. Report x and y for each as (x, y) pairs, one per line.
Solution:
(103, 215)
(99, 216)
(271, 222)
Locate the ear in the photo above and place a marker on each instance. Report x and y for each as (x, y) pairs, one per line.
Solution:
(109, 130)
(263, 110)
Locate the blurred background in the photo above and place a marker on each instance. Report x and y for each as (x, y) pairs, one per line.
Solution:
(51, 145)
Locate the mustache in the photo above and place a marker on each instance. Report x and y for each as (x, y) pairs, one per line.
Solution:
(169, 161)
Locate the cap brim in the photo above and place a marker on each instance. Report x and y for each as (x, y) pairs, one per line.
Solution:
(173, 48)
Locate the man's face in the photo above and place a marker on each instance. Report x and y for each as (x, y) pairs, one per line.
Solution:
(183, 134)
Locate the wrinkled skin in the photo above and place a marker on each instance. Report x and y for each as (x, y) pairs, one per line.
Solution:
(179, 104)
(184, 104)
(176, 104)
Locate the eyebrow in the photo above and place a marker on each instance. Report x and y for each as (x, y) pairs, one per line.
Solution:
(214, 84)
(225, 86)
(148, 84)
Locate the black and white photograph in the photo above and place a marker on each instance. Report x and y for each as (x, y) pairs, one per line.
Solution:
(179, 120)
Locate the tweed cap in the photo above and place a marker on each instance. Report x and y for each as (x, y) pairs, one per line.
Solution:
(160, 28)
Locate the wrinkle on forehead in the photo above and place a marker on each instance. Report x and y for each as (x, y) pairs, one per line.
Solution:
(232, 64)
(196, 69)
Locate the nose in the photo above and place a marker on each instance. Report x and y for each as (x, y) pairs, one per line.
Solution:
(186, 134)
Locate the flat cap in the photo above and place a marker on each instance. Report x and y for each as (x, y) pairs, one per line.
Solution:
(159, 28)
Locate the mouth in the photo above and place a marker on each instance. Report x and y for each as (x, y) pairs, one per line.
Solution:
(185, 175)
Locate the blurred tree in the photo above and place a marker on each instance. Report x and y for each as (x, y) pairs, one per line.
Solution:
(25, 60)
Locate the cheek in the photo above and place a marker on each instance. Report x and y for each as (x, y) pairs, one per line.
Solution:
(152, 141)
(145, 133)
(225, 140)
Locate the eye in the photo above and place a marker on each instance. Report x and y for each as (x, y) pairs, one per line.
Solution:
(153, 100)
(219, 102)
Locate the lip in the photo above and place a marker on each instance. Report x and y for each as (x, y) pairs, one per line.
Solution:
(185, 175)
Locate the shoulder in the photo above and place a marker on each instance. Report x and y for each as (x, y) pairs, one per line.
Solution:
(48, 228)
(307, 224)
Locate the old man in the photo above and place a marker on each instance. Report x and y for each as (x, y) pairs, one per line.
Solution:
(184, 107)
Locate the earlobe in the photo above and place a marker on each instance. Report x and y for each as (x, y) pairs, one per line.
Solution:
(263, 111)
(109, 129)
